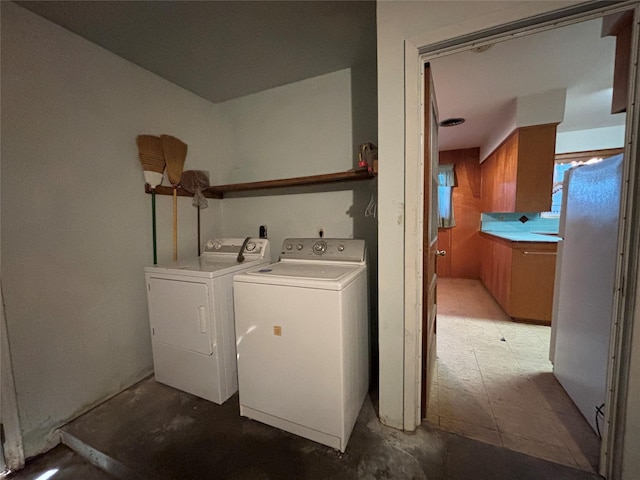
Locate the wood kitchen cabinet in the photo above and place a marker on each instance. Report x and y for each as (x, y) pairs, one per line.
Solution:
(520, 277)
(518, 175)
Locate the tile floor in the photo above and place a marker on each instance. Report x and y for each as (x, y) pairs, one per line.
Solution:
(494, 382)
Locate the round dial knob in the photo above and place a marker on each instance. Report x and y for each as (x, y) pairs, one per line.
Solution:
(288, 246)
(208, 246)
(319, 248)
(299, 246)
(251, 246)
(341, 248)
(218, 245)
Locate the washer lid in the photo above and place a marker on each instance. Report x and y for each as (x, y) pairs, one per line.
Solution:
(204, 267)
(325, 276)
(305, 270)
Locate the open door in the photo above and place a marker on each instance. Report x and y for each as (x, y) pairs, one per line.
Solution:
(429, 238)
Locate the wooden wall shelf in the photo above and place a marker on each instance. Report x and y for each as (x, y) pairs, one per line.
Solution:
(164, 190)
(218, 191)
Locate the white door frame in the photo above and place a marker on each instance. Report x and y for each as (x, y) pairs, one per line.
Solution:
(12, 446)
(518, 21)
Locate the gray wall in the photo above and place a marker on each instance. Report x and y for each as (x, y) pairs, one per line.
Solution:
(76, 223)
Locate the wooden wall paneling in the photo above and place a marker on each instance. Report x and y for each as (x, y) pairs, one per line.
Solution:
(464, 249)
(487, 183)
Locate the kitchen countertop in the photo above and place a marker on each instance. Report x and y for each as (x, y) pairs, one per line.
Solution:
(524, 236)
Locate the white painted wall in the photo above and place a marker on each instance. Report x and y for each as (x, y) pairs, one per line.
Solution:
(307, 128)
(425, 23)
(300, 129)
(592, 139)
(541, 108)
(421, 23)
(537, 109)
(76, 223)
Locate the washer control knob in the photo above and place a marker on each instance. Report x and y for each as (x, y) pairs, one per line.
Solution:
(341, 248)
(319, 248)
(218, 245)
(288, 246)
(209, 245)
(250, 247)
(299, 246)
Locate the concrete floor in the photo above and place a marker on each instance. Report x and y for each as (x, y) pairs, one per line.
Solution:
(152, 431)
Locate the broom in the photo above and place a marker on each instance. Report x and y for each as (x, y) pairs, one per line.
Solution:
(175, 153)
(153, 163)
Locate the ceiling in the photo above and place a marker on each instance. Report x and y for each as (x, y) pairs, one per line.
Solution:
(222, 50)
(482, 86)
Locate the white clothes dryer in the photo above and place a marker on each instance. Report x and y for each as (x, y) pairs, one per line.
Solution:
(192, 317)
(302, 329)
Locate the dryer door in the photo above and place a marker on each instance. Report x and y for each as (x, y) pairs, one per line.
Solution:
(180, 314)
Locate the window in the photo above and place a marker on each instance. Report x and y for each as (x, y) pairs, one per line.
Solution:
(558, 176)
(446, 182)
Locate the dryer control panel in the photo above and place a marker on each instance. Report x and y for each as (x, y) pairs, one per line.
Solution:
(231, 246)
(326, 249)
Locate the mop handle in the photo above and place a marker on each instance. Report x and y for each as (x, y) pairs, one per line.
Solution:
(198, 207)
(175, 223)
(153, 214)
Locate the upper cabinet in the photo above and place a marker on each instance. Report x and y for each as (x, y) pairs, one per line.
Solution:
(518, 175)
(620, 25)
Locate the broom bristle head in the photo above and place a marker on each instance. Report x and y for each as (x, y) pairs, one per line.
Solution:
(150, 153)
(175, 153)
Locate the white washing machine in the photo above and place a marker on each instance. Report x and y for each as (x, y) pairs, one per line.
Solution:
(302, 331)
(192, 318)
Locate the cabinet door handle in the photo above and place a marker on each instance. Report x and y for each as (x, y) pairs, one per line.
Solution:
(441, 253)
(526, 252)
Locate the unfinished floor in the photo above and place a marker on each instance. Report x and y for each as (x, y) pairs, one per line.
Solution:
(151, 431)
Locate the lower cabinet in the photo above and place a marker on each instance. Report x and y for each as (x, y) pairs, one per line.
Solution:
(520, 277)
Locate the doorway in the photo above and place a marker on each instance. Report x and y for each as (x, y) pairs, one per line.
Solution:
(500, 326)
(495, 382)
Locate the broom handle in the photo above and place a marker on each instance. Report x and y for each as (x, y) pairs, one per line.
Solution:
(198, 208)
(175, 223)
(153, 222)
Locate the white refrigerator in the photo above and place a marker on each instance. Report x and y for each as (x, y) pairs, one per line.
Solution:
(584, 287)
